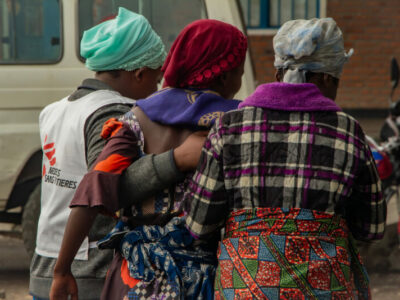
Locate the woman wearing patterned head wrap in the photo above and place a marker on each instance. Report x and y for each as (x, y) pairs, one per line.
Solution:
(315, 46)
(292, 179)
(159, 260)
(306, 49)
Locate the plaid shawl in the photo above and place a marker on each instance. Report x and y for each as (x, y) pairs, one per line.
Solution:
(261, 157)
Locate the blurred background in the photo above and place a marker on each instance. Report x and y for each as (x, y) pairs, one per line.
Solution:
(370, 27)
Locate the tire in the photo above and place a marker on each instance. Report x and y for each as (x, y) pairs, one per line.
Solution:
(30, 218)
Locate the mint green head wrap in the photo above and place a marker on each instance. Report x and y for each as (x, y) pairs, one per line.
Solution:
(125, 43)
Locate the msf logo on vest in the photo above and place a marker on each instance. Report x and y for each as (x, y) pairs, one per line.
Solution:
(50, 173)
(49, 151)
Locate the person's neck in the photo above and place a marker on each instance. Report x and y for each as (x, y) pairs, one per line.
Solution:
(118, 84)
(106, 79)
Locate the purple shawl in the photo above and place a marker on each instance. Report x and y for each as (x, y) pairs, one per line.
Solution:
(186, 107)
(290, 97)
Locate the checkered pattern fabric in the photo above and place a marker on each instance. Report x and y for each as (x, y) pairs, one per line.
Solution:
(256, 157)
(159, 288)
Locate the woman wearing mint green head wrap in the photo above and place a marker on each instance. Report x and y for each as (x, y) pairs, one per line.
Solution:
(125, 53)
(125, 43)
(126, 56)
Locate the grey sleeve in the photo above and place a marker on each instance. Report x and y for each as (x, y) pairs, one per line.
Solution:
(94, 124)
(94, 145)
(146, 176)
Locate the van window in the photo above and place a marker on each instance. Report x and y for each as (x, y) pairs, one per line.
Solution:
(30, 31)
(262, 14)
(167, 17)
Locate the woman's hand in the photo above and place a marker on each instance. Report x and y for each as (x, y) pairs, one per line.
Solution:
(188, 154)
(63, 286)
(79, 223)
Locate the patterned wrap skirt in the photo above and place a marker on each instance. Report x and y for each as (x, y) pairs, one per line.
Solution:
(275, 253)
(158, 262)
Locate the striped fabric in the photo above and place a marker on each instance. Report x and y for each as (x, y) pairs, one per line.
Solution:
(318, 160)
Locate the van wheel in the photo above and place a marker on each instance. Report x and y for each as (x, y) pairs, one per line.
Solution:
(30, 218)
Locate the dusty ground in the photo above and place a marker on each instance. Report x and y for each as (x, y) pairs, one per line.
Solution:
(385, 286)
(14, 274)
(14, 269)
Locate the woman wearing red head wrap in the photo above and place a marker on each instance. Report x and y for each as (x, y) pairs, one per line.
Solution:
(202, 52)
(156, 257)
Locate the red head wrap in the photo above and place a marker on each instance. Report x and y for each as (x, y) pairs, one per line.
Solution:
(202, 51)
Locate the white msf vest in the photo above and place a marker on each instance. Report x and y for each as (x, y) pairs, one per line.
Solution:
(62, 126)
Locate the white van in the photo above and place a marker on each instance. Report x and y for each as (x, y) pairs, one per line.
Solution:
(40, 64)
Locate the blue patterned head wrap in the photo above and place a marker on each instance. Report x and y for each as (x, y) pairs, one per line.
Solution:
(314, 45)
(125, 43)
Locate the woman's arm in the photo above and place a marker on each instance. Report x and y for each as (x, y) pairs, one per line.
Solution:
(159, 171)
(206, 194)
(366, 210)
(101, 183)
(96, 191)
(153, 173)
(79, 223)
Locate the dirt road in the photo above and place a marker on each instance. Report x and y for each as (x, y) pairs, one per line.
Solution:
(14, 274)
(14, 269)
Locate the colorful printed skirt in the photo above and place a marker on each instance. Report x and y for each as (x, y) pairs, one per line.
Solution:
(155, 262)
(275, 253)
